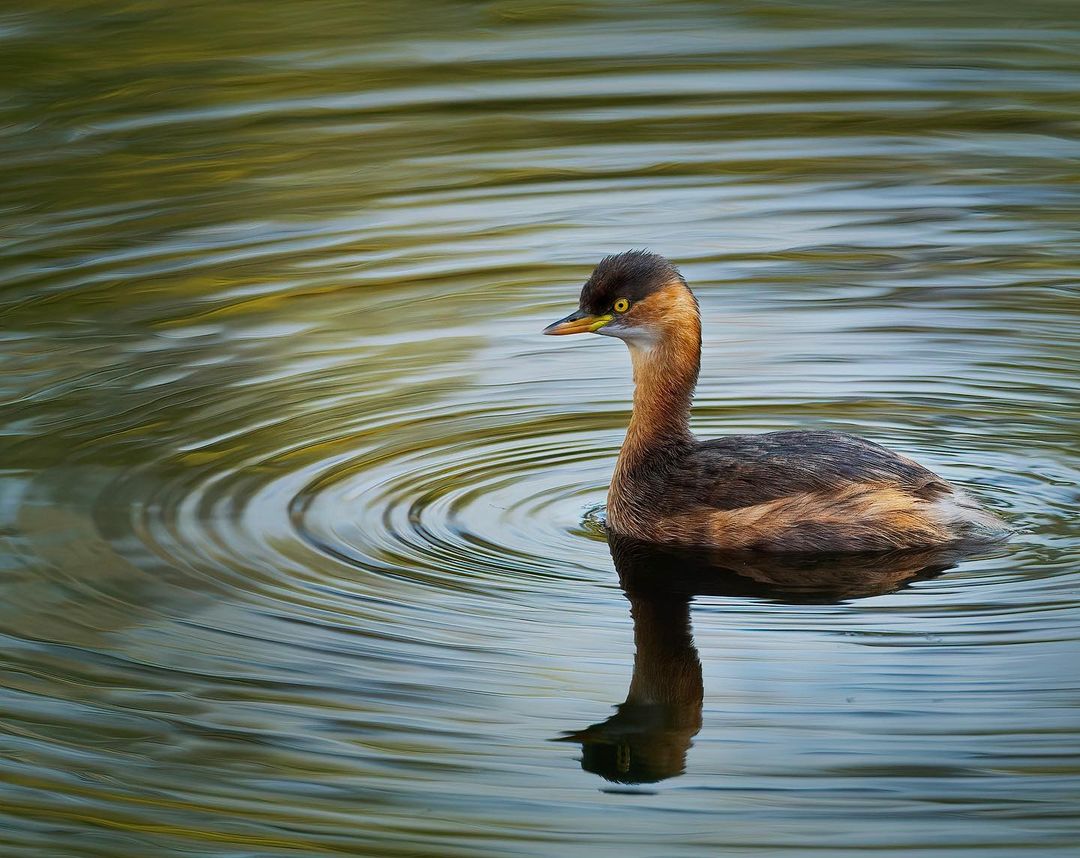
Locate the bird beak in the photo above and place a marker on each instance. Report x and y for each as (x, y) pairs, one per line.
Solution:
(577, 323)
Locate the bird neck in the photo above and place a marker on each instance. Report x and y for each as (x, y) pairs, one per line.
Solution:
(665, 374)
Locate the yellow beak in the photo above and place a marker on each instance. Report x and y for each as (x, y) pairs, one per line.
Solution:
(577, 323)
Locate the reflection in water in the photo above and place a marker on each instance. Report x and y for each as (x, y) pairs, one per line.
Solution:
(646, 740)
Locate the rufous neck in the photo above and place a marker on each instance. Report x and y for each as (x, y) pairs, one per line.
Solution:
(665, 374)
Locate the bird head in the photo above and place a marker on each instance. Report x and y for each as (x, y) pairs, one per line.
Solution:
(637, 296)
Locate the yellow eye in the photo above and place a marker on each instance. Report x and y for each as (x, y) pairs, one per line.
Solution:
(621, 306)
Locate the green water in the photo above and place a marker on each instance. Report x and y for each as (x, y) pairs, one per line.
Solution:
(297, 504)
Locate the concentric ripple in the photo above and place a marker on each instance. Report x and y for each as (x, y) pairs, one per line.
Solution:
(300, 510)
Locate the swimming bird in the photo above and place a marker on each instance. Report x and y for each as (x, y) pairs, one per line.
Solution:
(789, 491)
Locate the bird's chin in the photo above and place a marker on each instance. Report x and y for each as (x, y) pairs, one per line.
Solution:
(635, 338)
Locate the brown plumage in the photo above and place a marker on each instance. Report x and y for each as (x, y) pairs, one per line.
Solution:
(781, 491)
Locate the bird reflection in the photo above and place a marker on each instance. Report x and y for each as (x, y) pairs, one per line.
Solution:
(648, 737)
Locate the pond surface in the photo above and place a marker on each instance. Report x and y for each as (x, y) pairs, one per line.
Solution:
(298, 505)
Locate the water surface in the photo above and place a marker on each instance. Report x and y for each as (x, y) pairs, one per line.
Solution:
(296, 500)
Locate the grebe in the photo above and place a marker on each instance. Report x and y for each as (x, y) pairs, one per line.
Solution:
(793, 491)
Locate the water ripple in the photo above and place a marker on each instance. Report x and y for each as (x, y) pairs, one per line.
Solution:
(300, 513)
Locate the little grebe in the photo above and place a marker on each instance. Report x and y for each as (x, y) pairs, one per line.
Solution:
(779, 491)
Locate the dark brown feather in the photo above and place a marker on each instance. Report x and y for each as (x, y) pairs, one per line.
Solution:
(747, 470)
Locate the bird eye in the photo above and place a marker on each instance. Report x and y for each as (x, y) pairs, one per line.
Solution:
(621, 306)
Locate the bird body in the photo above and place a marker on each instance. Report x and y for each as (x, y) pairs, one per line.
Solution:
(794, 491)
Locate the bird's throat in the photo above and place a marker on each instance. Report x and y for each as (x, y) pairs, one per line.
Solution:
(665, 374)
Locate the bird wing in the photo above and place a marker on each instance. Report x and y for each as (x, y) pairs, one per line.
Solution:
(746, 470)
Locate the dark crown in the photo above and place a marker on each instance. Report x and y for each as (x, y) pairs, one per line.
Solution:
(632, 275)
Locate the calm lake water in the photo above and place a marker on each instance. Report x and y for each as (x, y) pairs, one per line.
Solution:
(298, 507)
